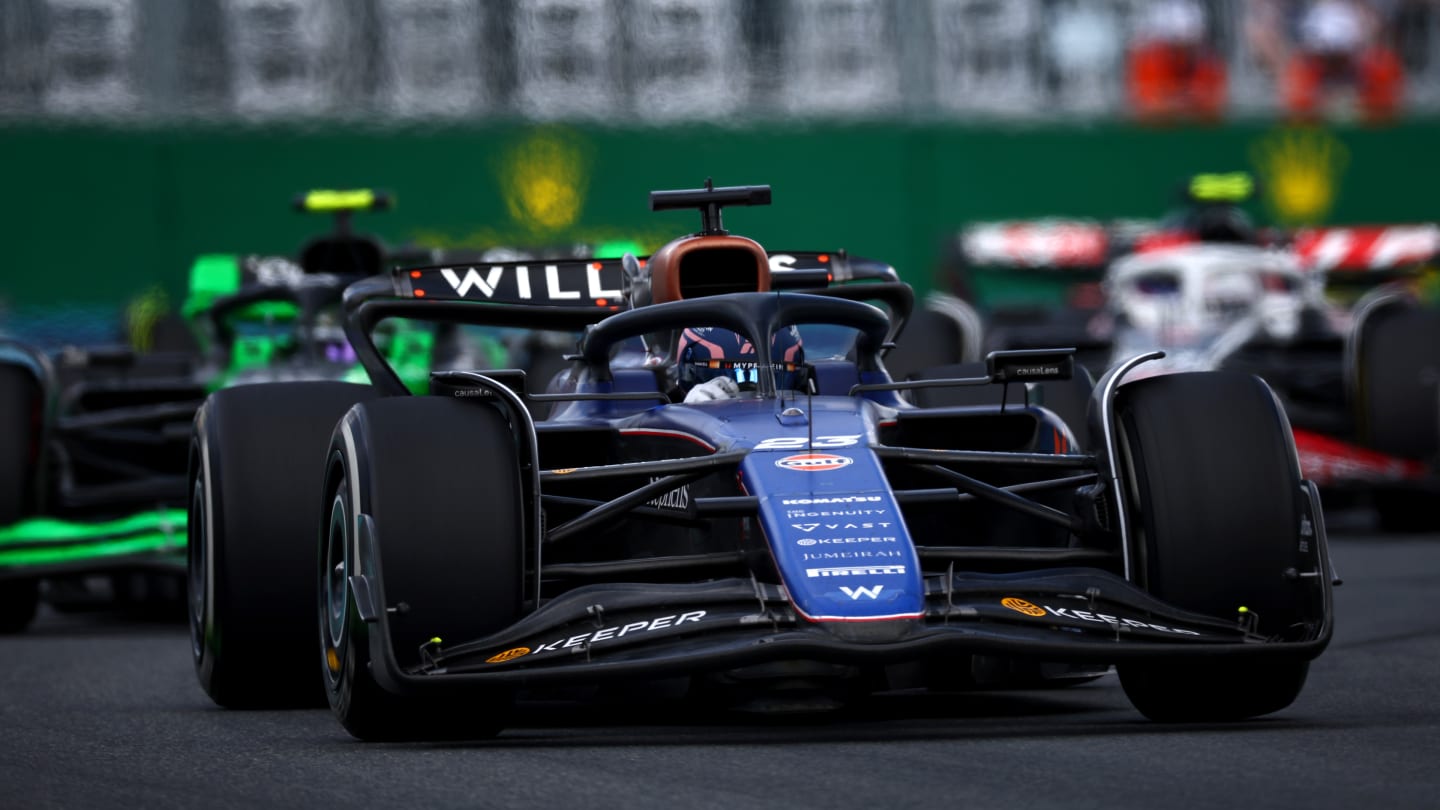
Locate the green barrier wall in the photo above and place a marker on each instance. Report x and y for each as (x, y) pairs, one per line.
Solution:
(96, 215)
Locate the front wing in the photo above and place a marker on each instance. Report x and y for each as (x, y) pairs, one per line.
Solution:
(604, 632)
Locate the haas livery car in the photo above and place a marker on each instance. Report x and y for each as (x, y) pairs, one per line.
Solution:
(1334, 319)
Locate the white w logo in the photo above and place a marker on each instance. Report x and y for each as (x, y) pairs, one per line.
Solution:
(856, 593)
(473, 279)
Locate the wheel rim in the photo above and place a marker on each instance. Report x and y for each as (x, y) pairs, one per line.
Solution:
(337, 537)
(197, 565)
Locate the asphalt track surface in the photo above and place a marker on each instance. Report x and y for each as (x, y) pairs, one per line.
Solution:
(100, 712)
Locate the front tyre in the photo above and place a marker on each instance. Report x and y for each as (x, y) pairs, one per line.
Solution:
(1215, 487)
(256, 472)
(437, 483)
(20, 410)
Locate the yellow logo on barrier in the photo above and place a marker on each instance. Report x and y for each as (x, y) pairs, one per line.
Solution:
(142, 314)
(544, 179)
(1300, 170)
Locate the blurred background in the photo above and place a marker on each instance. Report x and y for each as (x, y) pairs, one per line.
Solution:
(136, 135)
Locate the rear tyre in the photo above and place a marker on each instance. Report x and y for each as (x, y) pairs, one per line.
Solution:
(1212, 469)
(256, 478)
(1405, 511)
(20, 401)
(1397, 404)
(1397, 367)
(19, 599)
(1070, 400)
(438, 483)
(931, 338)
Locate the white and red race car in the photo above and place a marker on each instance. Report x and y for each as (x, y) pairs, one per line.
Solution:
(1329, 317)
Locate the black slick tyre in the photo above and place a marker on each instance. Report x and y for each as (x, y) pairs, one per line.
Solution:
(20, 403)
(1215, 488)
(19, 599)
(437, 484)
(1405, 511)
(1397, 370)
(257, 469)
(1397, 403)
(1070, 400)
(930, 339)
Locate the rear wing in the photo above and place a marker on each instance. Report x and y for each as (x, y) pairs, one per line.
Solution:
(1366, 254)
(571, 294)
(600, 283)
(225, 280)
(1031, 264)
(1044, 244)
(569, 283)
(338, 253)
(798, 269)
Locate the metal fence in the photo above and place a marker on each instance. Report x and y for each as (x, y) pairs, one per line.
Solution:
(661, 61)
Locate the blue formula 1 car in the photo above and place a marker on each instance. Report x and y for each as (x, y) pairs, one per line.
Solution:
(802, 531)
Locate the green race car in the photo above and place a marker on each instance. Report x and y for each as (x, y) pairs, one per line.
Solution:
(92, 476)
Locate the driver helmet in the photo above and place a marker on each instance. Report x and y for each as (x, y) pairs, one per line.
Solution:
(705, 353)
(1223, 223)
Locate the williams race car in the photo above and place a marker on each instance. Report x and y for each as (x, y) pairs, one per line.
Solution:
(802, 530)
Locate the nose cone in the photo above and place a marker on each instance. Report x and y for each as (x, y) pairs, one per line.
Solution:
(875, 631)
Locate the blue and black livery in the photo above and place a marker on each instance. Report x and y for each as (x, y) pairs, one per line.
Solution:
(834, 534)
